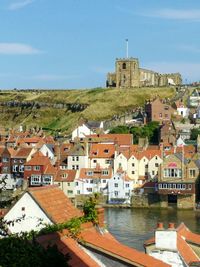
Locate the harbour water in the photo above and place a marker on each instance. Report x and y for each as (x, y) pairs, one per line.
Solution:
(133, 226)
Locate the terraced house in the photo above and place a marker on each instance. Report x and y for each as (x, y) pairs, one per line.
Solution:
(178, 181)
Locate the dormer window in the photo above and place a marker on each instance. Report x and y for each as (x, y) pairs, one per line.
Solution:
(89, 173)
(105, 172)
(106, 151)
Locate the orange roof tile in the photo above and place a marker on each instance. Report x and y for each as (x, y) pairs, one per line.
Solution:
(38, 159)
(119, 139)
(107, 244)
(65, 175)
(67, 245)
(102, 151)
(55, 203)
(23, 152)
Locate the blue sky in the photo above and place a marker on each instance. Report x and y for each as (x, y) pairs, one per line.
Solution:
(74, 43)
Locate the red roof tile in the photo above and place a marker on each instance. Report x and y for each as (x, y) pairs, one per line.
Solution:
(65, 175)
(55, 203)
(102, 151)
(107, 244)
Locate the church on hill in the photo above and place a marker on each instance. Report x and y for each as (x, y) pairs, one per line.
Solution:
(128, 74)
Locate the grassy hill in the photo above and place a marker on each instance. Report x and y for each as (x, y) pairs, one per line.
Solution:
(58, 109)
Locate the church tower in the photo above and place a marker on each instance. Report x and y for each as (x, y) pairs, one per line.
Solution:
(127, 72)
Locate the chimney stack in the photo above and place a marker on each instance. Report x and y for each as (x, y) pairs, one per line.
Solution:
(100, 217)
(160, 226)
(171, 226)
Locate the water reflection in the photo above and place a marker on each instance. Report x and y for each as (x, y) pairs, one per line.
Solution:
(133, 226)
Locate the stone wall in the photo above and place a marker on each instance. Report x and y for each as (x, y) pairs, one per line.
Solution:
(146, 201)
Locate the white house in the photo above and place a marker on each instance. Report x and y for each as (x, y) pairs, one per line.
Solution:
(47, 150)
(93, 181)
(78, 157)
(182, 110)
(40, 206)
(120, 188)
(87, 128)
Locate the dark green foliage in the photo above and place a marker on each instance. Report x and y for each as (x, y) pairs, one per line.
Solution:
(120, 130)
(151, 131)
(18, 251)
(194, 133)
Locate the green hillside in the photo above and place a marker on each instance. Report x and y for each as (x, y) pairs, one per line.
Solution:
(63, 109)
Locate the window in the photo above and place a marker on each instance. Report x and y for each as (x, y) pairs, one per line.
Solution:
(73, 167)
(36, 168)
(47, 179)
(15, 160)
(116, 193)
(192, 173)
(35, 179)
(91, 181)
(156, 157)
(69, 192)
(106, 151)
(127, 185)
(5, 159)
(189, 186)
(77, 183)
(160, 186)
(146, 166)
(77, 158)
(73, 158)
(104, 181)
(78, 192)
(68, 184)
(172, 173)
(107, 161)
(183, 186)
(178, 186)
(89, 189)
(153, 172)
(127, 194)
(156, 165)
(64, 175)
(174, 186)
(166, 108)
(28, 168)
(94, 160)
(15, 168)
(124, 66)
(77, 167)
(90, 173)
(165, 186)
(115, 185)
(133, 164)
(21, 168)
(133, 172)
(105, 172)
(21, 161)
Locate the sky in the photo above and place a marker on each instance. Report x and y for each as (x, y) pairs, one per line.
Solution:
(72, 44)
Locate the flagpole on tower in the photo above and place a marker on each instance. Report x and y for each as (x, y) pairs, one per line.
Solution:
(126, 48)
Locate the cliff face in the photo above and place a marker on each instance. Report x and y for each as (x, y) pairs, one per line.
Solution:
(61, 110)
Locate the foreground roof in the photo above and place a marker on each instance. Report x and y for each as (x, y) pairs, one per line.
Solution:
(54, 203)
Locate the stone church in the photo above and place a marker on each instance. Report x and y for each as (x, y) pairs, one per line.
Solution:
(128, 74)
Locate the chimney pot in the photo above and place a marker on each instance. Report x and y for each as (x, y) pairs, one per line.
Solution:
(171, 226)
(160, 225)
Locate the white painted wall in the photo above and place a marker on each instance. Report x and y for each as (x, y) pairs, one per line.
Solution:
(32, 214)
(82, 162)
(81, 132)
(47, 152)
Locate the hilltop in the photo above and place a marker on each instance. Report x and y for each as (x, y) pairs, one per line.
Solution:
(63, 109)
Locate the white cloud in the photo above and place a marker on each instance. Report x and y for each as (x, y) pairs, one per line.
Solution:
(188, 70)
(17, 49)
(174, 14)
(19, 5)
(165, 13)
